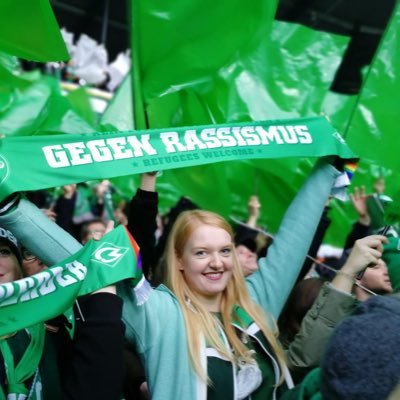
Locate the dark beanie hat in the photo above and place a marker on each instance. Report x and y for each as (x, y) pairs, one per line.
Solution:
(361, 360)
(11, 241)
(246, 236)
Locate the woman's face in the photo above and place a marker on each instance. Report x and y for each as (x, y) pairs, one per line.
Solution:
(207, 262)
(9, 268)
(377, 278)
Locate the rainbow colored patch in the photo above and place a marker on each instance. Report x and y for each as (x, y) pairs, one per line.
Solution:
(350, 168)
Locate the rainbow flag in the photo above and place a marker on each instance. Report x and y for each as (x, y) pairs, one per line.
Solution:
(350, 168)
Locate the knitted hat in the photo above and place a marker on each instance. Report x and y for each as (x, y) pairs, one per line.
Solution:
(391, 255)
(10, 240)
(360, 361)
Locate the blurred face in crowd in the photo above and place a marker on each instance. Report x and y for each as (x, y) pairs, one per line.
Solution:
(247, 259)
(94, 230)
(379, 186)
(207, 262)
(69, 190)
(377, 278)
(9, 266)
(31, 265)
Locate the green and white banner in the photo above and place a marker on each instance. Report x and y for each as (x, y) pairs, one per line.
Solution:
(51, 292)
(38, 162)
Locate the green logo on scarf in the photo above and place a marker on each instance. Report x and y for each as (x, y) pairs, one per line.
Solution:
(109, 254)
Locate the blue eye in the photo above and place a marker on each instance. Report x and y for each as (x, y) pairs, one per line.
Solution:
(226, 251)
(200, 253)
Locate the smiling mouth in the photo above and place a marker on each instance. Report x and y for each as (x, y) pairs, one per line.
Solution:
(214, 276)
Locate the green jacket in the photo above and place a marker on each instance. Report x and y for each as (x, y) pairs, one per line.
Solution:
(157, 327)
(309, 389)
(329, 308)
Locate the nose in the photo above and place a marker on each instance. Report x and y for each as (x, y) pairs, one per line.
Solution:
(383, 266)
(216, 261)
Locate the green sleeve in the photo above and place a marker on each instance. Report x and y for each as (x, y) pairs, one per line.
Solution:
(329, 308)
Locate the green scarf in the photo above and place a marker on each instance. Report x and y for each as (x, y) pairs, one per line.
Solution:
(58, 160)
(51, 292)
(27, 366)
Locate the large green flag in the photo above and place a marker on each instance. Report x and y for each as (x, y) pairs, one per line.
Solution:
(61, 159)
(193, 59)
(29, 30)
(279, 70)
(53, 291)
(373, 127)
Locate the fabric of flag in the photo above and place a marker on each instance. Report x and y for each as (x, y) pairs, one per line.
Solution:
(29, 30)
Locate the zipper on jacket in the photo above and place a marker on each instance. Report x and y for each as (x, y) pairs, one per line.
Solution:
(274, 362)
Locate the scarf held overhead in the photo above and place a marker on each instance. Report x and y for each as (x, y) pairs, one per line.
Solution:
(58, 160)
(51, 292)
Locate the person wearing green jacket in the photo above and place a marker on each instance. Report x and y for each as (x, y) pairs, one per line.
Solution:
(210, 334)
(334, 302)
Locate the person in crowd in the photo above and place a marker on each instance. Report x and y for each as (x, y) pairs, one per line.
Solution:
(79, 204)
(43, 363)
(120, 213)
(358, 361)
(250, 242)
(209, 326)
(301, 299)
(247, 254)
(391, 256)
(377, 203)
(31, 264)
(142, 217)
(309, 316)
(10, 257)
(306, 333)
(93, 229)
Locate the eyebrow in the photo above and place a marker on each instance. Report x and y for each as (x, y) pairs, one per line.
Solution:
(230, 245)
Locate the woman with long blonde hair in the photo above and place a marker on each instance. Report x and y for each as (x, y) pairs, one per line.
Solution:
(210, 333)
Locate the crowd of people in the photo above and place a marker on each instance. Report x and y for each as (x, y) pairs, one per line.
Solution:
(229, 312)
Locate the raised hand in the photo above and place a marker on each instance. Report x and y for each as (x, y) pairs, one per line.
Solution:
(254, 206)
(366, 251)
(359, 200)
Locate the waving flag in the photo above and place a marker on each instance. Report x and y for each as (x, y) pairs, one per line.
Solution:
(29, 30)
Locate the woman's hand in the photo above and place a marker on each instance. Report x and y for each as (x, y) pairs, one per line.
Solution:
(366, 251)
(359, 200)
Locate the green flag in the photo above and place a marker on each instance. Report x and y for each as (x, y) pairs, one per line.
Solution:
(194, 60)
(51, 292)
(61, 159)
(29, 30)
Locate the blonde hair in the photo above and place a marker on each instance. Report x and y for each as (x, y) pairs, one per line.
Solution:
(197, 318)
